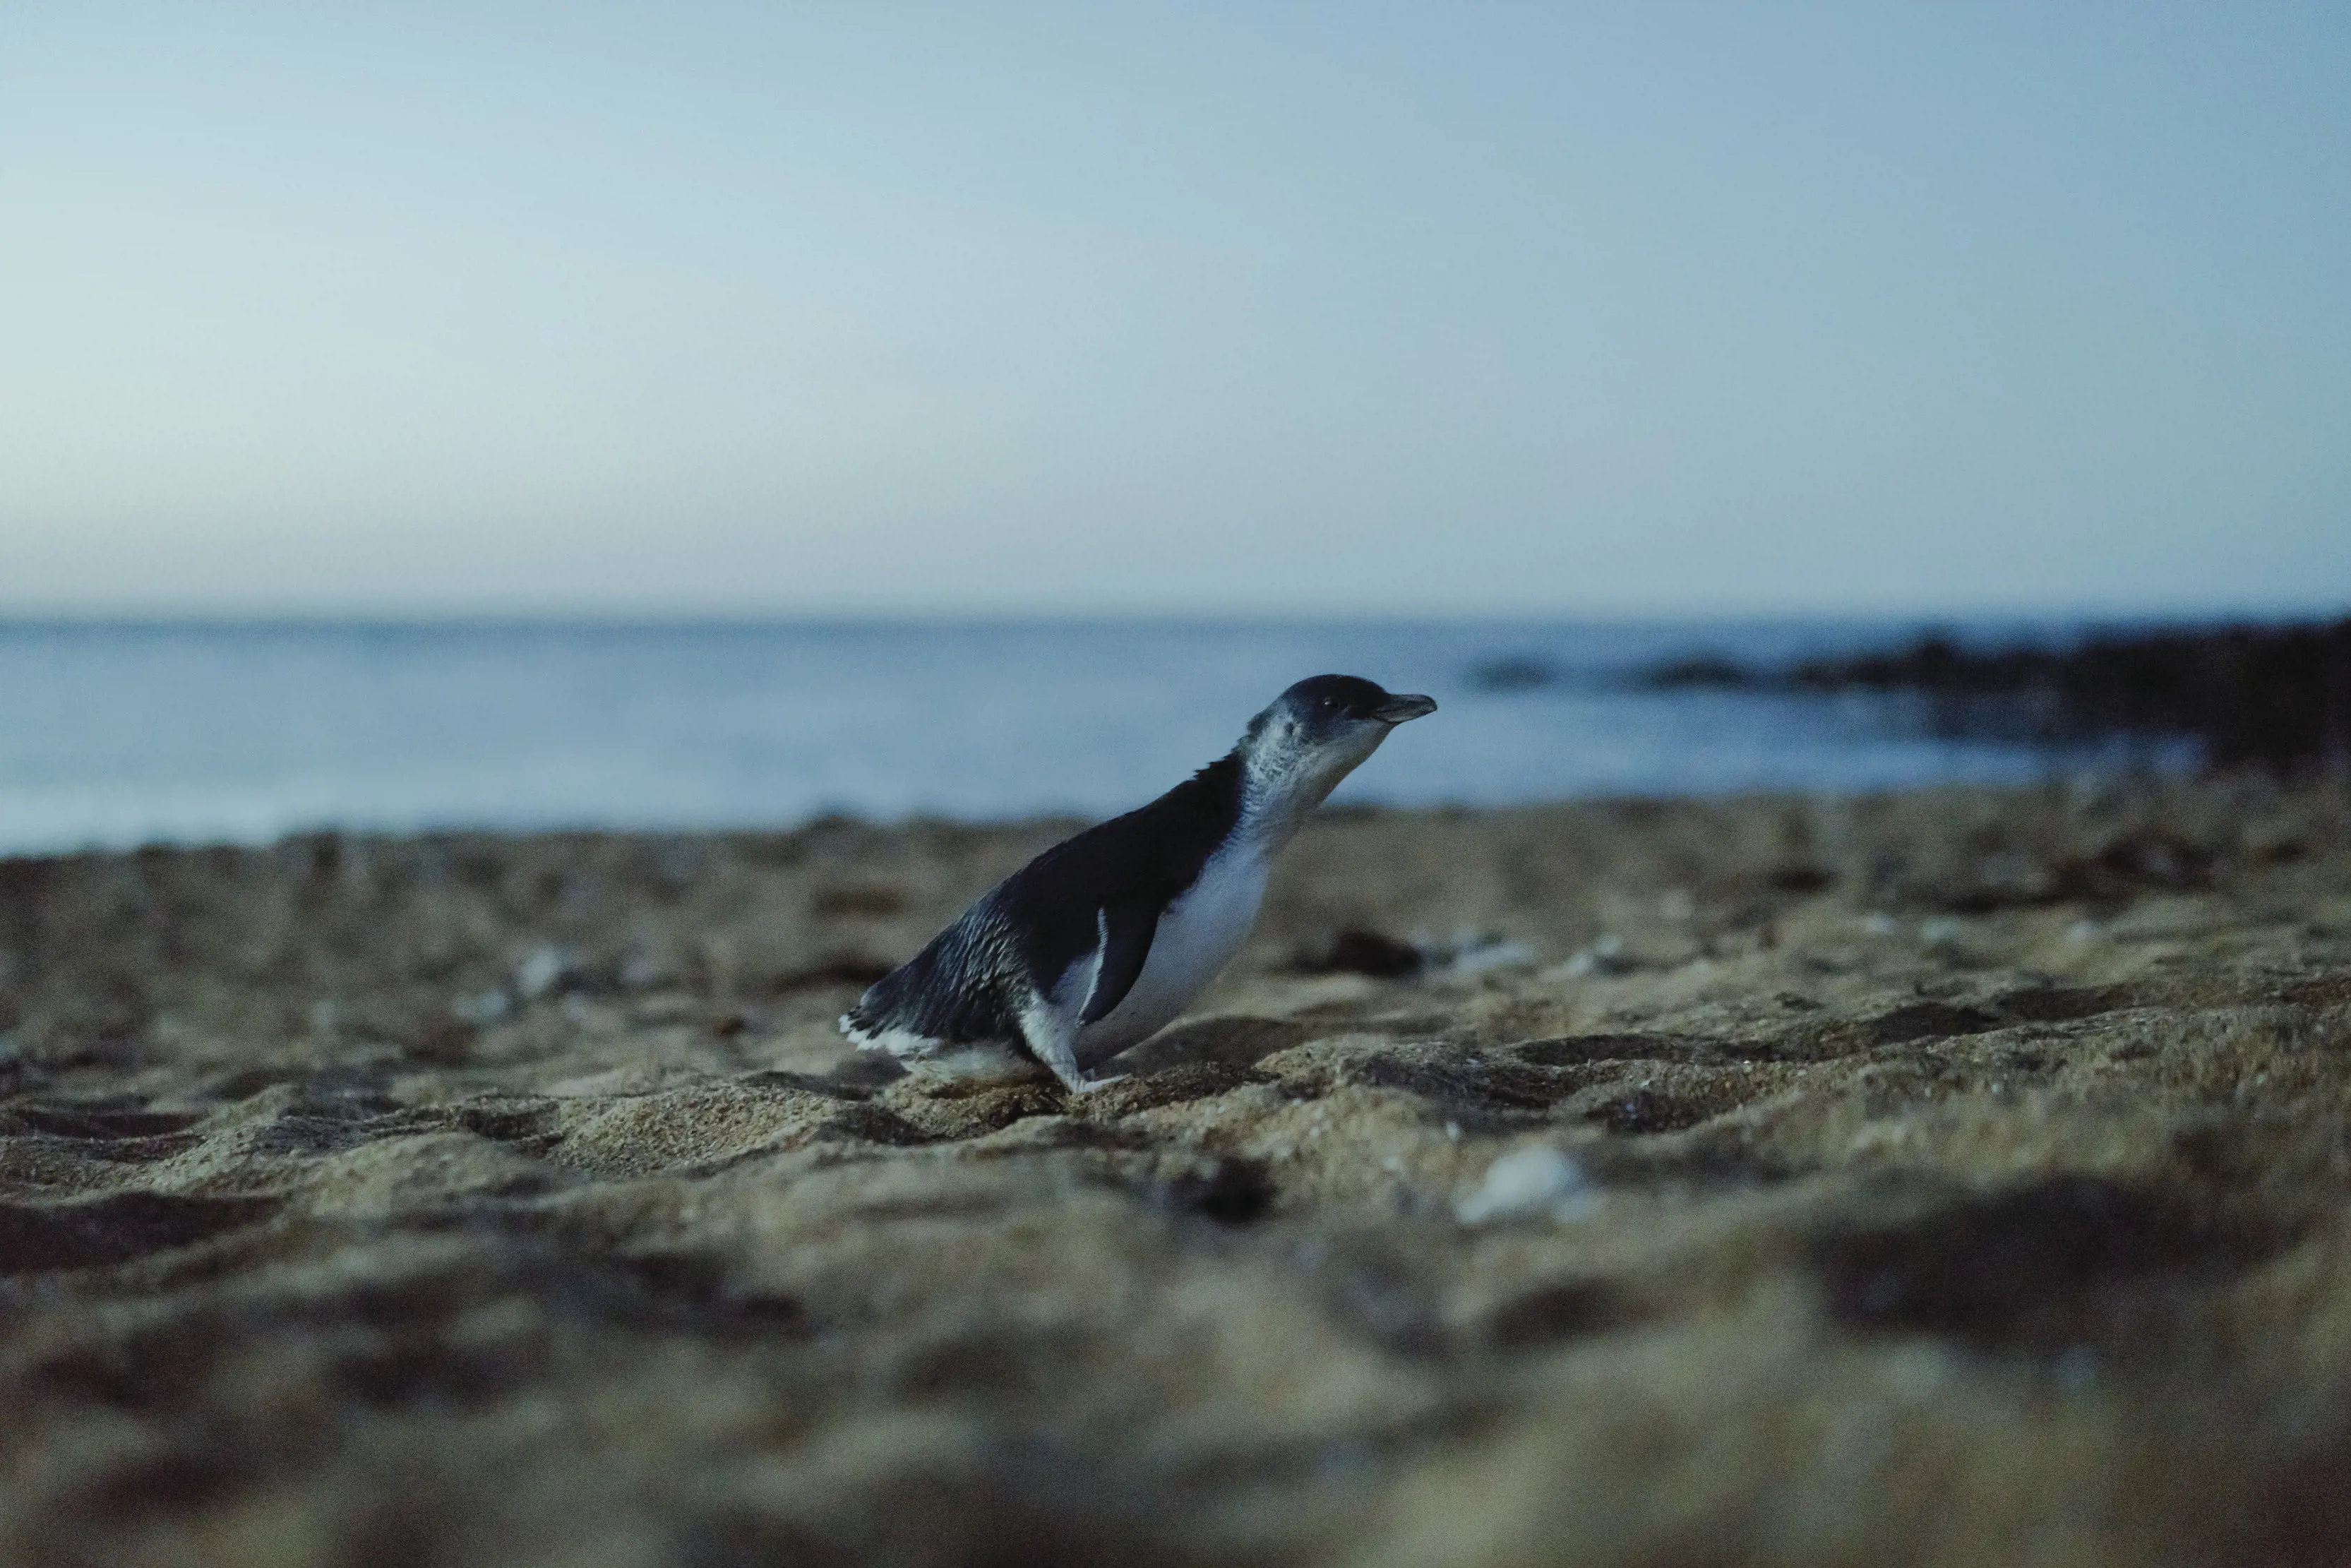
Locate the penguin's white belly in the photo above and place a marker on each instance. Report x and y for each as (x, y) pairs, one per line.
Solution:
(1196, 936)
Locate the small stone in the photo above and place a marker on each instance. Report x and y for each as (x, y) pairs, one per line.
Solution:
(489, 1008)
(645, 971)
(2076, 1371)
(1359, 950)
(1526, 1183)
(1605, 955)
(543, 970)
(1474, 952)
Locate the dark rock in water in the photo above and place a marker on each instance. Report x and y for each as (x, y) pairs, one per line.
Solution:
(2279, 696)
(2274, 696)
(1514, 673)
(1697, 670)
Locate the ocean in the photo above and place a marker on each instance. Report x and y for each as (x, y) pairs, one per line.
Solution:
(115, 735)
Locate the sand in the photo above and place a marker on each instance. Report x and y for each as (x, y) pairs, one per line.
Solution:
(1958, 1177)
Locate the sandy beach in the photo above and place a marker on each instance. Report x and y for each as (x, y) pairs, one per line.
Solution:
(1957, 1178)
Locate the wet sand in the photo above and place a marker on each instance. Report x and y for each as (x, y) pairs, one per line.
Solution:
(1957, 1178)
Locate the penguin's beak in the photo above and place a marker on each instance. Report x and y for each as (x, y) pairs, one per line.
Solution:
(1402, 707)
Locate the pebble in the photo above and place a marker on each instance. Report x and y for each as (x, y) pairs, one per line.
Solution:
(2076, 1371)
(1476, 953)
(1525, 1183)
(1604, 956)
(542, 971)
(490, 1007)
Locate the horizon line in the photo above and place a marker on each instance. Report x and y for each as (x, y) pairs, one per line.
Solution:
(656, 619)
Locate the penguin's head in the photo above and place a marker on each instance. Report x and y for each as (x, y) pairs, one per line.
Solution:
(1320, 730)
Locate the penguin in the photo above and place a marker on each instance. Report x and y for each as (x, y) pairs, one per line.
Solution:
(1100, 942)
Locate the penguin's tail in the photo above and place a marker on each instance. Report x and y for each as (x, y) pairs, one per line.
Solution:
(933, 1001)
(903, 1044)
(876, 1023)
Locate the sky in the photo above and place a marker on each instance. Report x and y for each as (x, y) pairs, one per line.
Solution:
(1452, 310)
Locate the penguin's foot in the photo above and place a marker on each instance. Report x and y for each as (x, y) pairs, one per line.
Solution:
(1078, 1084)
(1052, 1040)
(1075, 1081)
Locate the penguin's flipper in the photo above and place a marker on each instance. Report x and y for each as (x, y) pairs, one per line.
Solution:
(1126, 937)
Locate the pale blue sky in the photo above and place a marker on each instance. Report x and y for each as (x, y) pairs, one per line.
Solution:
(1090, 309)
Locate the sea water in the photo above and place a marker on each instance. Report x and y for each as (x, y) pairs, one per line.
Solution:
(113, 735)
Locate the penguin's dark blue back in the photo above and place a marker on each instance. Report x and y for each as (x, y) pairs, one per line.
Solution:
(1144, 859)
(970, 981)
